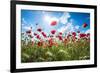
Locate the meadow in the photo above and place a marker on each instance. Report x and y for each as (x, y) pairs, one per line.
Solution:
(66, 48)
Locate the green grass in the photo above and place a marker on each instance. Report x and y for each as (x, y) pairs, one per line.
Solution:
(72, 51)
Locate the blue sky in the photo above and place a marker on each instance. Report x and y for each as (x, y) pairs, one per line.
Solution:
(66, 21)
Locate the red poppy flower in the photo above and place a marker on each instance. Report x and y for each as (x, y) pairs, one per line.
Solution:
(38, 37)
(88, 34)
(60, 37)
(39, 43)
(39, 29)
(35, 34)
(60, 33)
(74, 33)
(85, 25)
(53, 31)
(50, 41)
(44, 34)
(53, 23)
(82, 35)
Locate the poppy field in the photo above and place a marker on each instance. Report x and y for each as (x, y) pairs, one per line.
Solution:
(54, 36)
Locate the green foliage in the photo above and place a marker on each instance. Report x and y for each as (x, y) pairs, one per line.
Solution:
(79, 50)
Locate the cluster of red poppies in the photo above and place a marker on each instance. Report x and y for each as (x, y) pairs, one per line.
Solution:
(74, 36)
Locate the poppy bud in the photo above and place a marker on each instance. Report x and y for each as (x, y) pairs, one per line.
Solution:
(39, 29)
(53, 31)
(84, 25)
(53, 23)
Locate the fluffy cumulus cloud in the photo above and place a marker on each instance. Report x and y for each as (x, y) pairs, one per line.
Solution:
(49, 19)
(68, 28)
(64, 18)
(69, 24)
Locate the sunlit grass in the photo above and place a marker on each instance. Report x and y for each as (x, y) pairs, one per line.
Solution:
(79, 50)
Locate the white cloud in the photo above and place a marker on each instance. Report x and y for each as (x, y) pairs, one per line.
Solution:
(68, 28)
(77, 27)
(26, 27)
(64, 18)
(49, 19)
(23, 21)
(87, 31)
(62, 29)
